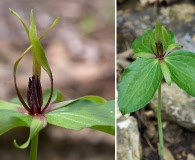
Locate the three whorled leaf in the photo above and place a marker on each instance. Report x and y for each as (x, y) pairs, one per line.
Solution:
(142, 77)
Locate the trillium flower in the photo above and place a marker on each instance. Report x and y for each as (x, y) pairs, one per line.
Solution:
(157, 56)
(156, 59)
(38, 109)
(156, 43)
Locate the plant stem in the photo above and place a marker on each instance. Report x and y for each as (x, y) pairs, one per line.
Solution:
(34, 147)
(160, 130)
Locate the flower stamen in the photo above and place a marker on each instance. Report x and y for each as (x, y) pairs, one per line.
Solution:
(34, 95)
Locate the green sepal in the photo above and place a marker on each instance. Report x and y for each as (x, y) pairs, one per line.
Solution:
(138, 85)
(37, 124)
(158, 32)
(181, 64)
(147, 41)
(12, 116)
(173, 46)
(142, 43)
(84, 113)
(165, 38)
(12, 119)
(57, 96)
(166, 72)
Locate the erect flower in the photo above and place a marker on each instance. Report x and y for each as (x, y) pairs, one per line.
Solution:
(34, 93)
(84, 112)
(161, 43)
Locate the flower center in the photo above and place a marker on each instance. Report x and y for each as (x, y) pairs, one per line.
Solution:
(159, 48)
(34, 95)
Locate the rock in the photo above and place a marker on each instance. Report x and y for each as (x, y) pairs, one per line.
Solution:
(120, 1)
(167, 153)
(128, 140)
(190, 157)
(177, 106)
(146, 2)
(188, 42)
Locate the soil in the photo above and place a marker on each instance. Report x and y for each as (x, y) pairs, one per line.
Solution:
(179, 141)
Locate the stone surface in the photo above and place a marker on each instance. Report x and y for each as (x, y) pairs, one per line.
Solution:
(134, 19)
(167, 154)
(190, 157)
(177, 106)
(146, 2)
(128, 140)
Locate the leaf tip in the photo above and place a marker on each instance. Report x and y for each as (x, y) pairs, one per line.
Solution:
(123, 111)
(169, 82)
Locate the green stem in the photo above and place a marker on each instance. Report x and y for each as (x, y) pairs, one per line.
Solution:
(160, 130)
(34, 147)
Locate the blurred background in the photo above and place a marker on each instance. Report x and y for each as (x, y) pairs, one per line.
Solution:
(80, 50)
(139, 139)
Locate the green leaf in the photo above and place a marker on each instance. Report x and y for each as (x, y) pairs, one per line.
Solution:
(37, 124)
(181, 64)
(11, 116)
(9, 106)
(166, 72)
(138, 85)
(84, 114)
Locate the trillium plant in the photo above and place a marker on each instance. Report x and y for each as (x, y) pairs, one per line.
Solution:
(158, 56)
(38, 110)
